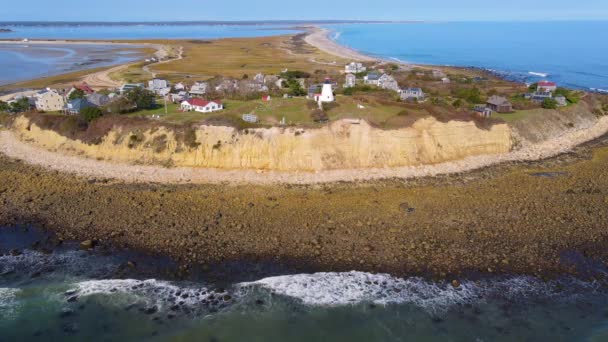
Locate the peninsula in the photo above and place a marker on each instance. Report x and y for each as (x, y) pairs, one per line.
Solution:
(234, 149)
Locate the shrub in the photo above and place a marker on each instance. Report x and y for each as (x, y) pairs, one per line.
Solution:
(549, 104)
(318, 115)
(90, 113)
(77, 94)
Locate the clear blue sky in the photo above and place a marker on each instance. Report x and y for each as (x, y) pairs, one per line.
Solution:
(188, 10)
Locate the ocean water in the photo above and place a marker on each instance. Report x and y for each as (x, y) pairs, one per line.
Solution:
(27, 61)
(570, 53)
(18, 63)
(75, 295)
(143, 31)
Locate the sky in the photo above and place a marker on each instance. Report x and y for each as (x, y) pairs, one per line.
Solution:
(194, 10)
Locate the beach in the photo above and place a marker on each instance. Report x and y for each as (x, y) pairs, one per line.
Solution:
(319, 38)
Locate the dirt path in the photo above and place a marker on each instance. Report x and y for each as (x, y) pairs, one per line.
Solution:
(102, 78)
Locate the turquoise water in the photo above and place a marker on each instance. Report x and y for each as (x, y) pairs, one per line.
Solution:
(570, 53)
(51, 292)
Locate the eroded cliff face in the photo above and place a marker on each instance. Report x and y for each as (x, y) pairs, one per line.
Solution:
(341, 145)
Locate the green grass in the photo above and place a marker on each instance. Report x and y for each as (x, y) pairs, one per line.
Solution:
(517, 115)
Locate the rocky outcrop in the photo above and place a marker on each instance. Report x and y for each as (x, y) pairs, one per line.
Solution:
(341, 145)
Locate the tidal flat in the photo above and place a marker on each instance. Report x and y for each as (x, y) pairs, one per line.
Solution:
(543, 218)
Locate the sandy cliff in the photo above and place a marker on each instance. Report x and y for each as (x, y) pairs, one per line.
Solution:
(341, 145)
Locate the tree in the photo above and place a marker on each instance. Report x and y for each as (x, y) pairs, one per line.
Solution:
(4, 107)
(76, 94)
(533, 87)
(142, 98)
(90, 113)
(21, 105)
(295, 88)
(121, 105)
(549, 104)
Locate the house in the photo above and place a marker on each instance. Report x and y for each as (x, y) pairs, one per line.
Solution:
(159, 86)
(388, 82)
(199, 89)
(130, 86)
(48, 101)
(546, 86)
(98, 100)
(252, 118)
(259, 78)
(313, 90)
(200, 105)
(179, 86)
(75, 106)
(438, 74)
(445, 80)
(179, 97)
(266, 98)
(412, 94)
(561, 101)
(540, 96)
(227, 85)
(483, 111)
(354, 68)
(499, 104)
(371, 78)
(84, 87)
(351, 81)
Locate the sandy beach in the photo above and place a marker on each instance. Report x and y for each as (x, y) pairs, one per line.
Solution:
(319, 38)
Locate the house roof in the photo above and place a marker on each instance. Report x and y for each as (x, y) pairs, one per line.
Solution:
(498, 101)
(79, 104)
(201, 102)
(98, 99)
(546, 84)
(85, 88)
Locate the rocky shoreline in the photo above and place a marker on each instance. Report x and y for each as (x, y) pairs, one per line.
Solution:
(539, 218)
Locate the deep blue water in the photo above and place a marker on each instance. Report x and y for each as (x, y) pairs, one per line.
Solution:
(571, 53)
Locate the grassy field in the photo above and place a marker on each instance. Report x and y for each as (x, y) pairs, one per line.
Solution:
(236, 57)
(518, 115)
(296, 111)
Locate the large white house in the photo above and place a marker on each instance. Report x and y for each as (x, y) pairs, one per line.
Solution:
(202, 106)
(199, 88)
(48, 100)
(410, 94)
(354, 68)
(388, 82)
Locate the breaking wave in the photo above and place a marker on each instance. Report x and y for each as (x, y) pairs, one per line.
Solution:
(338, 289)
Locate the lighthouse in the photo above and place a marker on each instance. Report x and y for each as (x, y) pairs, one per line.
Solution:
(327, 94)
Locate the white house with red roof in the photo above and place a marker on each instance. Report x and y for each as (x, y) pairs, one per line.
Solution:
(200, 105)
(546, 86)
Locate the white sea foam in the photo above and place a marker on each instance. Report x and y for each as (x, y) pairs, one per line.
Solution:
(8, 302)
(338, 289)
(151, 292)
(540, 74)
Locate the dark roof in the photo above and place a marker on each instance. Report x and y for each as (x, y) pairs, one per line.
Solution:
(498, 101)
(77, 105)
(98, 99)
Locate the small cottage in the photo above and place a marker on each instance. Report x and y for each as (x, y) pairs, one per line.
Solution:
(202, 106)
(499, 104)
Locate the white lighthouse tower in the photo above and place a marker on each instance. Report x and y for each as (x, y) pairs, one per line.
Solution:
(327, 94)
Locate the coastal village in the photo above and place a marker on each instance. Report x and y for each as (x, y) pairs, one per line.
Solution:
(367, 91)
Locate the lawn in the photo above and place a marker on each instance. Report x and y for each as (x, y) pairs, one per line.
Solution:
(518, 115)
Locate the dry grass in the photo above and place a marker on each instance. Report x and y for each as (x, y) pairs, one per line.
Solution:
(238, 56)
